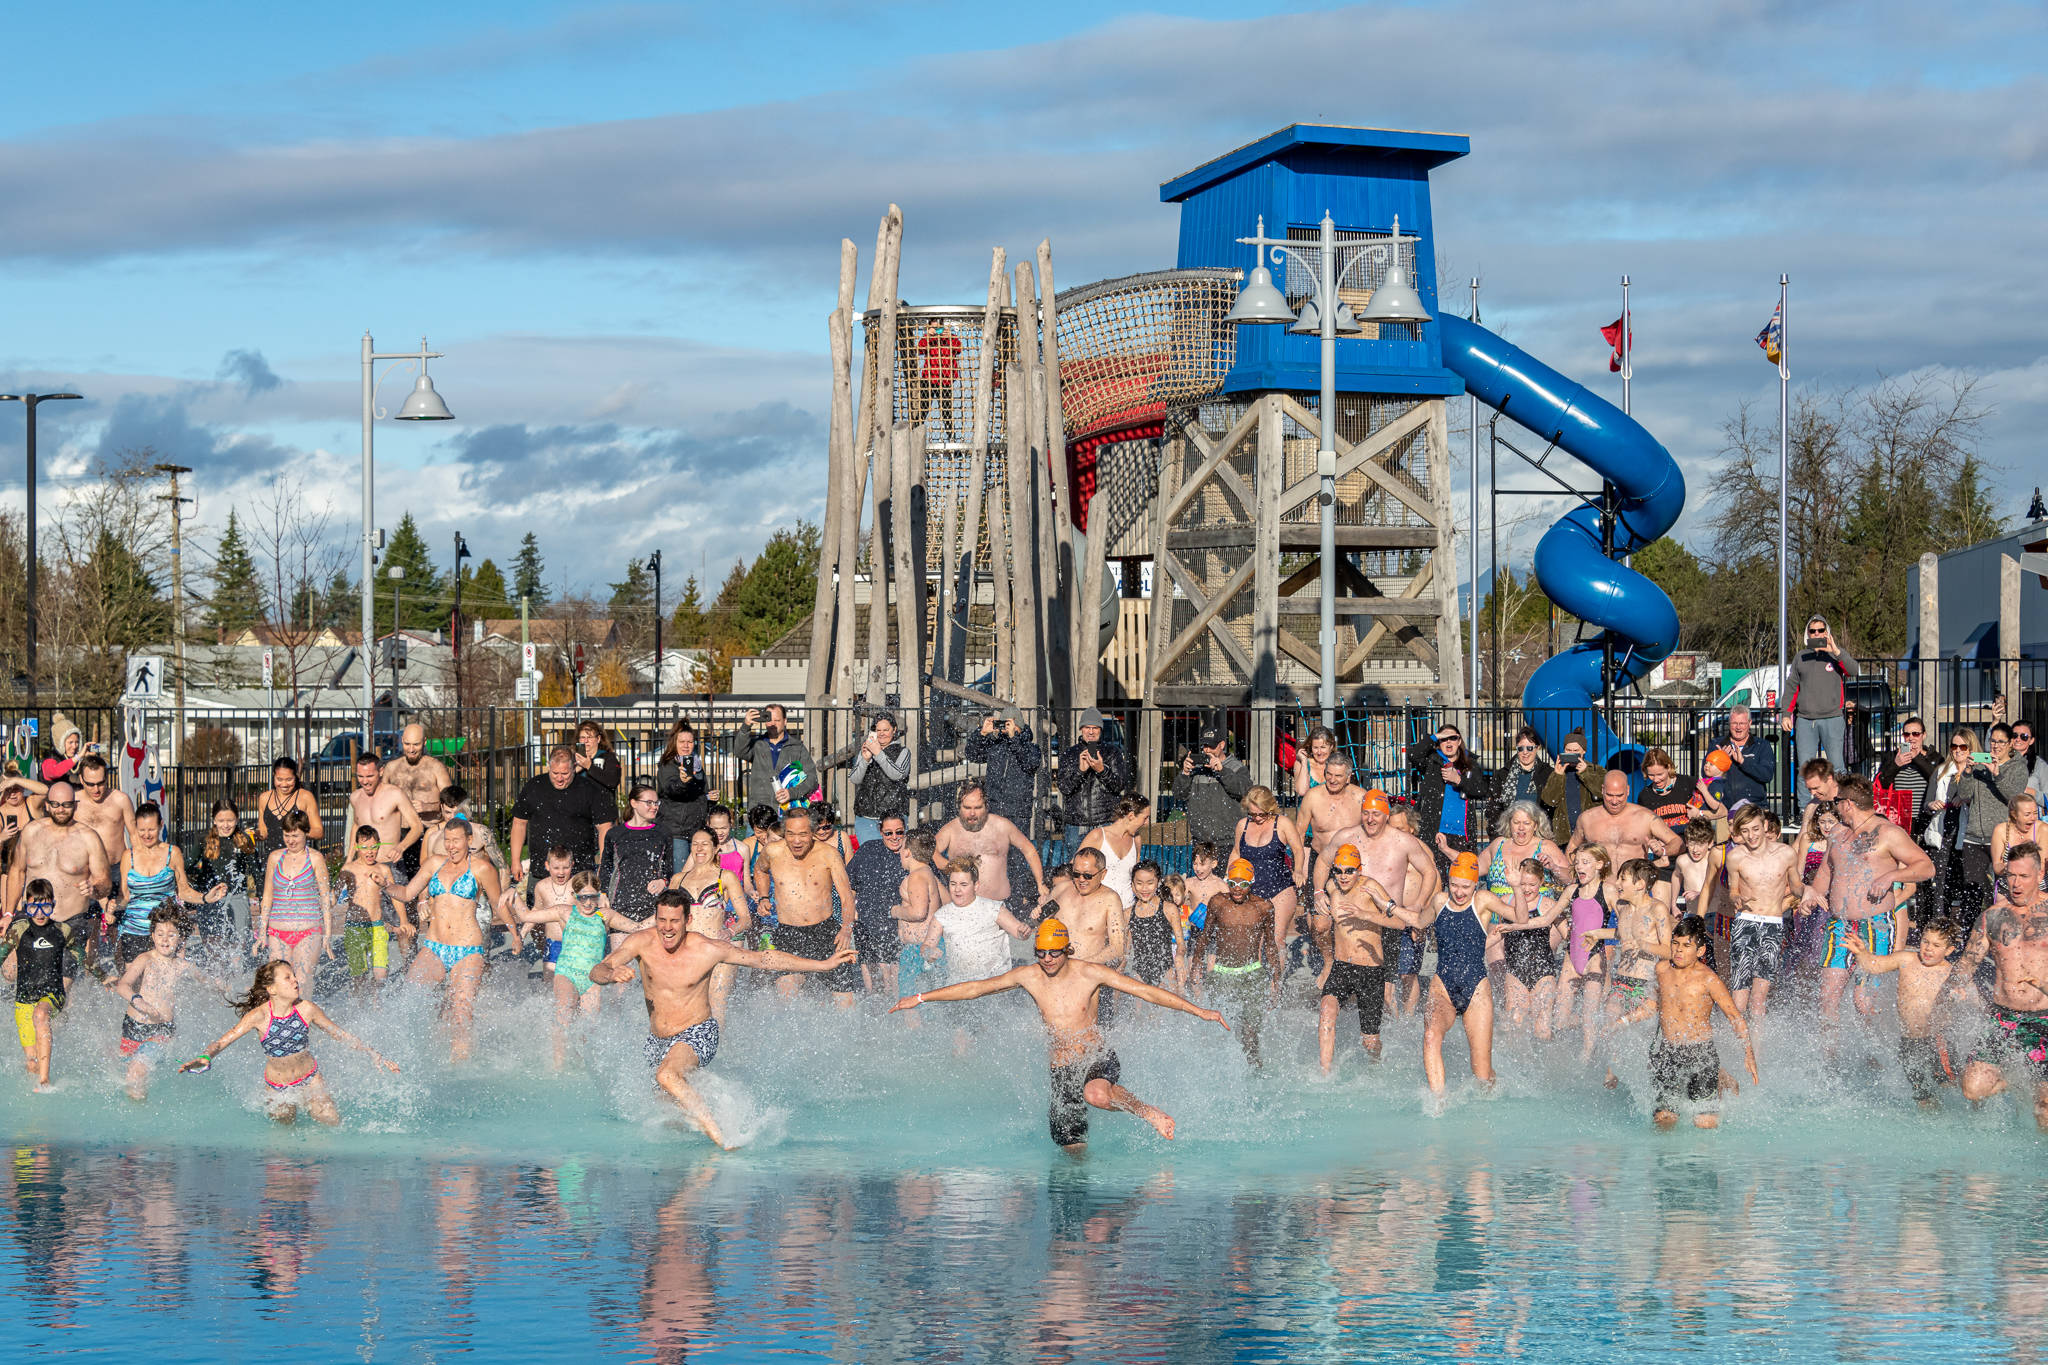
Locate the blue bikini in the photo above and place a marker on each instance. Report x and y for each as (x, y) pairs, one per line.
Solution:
(465, 886)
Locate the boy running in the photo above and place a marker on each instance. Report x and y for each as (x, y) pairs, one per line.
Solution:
(148, 986)
(1923, 972)
(39, 963)
(1684, 1063)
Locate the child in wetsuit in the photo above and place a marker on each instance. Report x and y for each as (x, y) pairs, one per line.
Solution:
(1923, 973)
(39, 963)
(1684, 1063)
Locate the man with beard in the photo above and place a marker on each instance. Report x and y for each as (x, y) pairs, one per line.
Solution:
(807, 882)
(1085, 1071)
(419, 778)
(2015, 934)
(675, 974)
(976, 832)
(65, 853)
(104, 808)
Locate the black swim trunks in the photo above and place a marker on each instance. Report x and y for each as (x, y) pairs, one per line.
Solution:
(818, 942)
(1069, 1113)
(1922, 1062)
(1367, 985)
(1689, 1071)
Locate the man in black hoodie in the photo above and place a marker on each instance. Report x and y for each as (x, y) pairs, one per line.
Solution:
(1095, 776)
(1011, 777)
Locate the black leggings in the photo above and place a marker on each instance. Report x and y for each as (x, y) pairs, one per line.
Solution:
(1969, 885)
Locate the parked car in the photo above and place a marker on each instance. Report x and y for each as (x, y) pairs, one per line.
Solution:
(329, 771)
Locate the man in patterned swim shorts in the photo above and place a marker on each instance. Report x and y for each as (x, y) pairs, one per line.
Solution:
(675, 972)
(2014, 931)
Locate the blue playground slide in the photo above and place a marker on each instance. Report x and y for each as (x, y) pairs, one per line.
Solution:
(1632, 612)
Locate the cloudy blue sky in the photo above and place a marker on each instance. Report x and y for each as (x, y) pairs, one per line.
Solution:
(621, 221)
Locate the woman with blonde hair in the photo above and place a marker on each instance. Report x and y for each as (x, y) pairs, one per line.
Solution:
(1272, 844)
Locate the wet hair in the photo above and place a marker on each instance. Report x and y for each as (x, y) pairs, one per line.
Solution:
(559, 851)
(761, 818)
(459, 822)
(1152, 866)
(1261, 801)
(150, 809)
(285, 764)
(39, 887)
(1945, 925)
(259, 993)
(344, 883)
(1635, 870)
(1204, 848)
(1060, 872)
(718, 808)
(2029, 849)
(1131, 805)
(674, 898)
(1692, 927)
(1855, 789)
(454, 794)
(1815, 768)
(923, 845)
(1598, 854)
(963, 862)
(295, 819)
(1535, 865)
(169, 914)
(822, 813)
(583, 881)
(1746, 817)
(1698, 830)
(972, 786)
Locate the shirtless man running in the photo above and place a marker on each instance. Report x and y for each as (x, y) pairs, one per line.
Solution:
(419, 778)
(1097, 920)
(675, 972)
(1401, 863)
(1361, 911)
(2014, 931)
(1763, 881)
(104, 808)
(1238, 936)
(68, 855)
(1085, 1071)
(989, 839)
(386, 807)
(1867, 856)
(1627, 831)
(808, 883)
(1333, 808)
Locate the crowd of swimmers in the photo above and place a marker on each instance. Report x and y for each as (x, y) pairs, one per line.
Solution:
(1339, 905)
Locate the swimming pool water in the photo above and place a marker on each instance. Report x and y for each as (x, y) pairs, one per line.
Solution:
(899, 1200)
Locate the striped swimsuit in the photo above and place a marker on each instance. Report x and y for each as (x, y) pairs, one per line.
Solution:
(295, 909)
(146, 891)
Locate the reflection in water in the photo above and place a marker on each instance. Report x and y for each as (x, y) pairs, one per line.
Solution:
(1591, 1251)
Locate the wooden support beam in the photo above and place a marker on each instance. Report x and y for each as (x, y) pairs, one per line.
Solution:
(1206, 609)
(977, 464)
(1087, 608)
(1024, 619)
(818, 679)
(883, 422)
(905, 448)
(1213, 456)
(1450, 668)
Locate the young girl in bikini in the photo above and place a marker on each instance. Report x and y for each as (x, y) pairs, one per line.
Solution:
(283, 1025)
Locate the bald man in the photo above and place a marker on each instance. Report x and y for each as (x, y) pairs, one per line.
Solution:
(1623, 828)
(420, 778)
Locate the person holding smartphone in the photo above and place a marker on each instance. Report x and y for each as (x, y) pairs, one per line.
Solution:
(1819, 677)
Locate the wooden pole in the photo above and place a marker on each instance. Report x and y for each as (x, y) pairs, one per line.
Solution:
(1087, 608)
(879, 442)
(1052, 635)
(845, 683)
(977, 466)
(1017, 457)
(819, 682)
(2009, 635)
(909, 616)
(1930, 643)
(1067, 567)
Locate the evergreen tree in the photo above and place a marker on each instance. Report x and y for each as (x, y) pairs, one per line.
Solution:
(528, 573)
(687, 625)
(422, 595)
(339, 608)
(483, 594)
(780, 586)
(1968, 516)
(720, 626)
(130, 605)
(237, 590)
(636, 591)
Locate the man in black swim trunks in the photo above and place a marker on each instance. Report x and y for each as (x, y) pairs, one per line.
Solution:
(808, 883)
(1085, 1072)
(1360, 909)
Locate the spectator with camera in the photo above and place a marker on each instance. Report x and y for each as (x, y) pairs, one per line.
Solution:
(1095, 776)
(1573, 788)
(1006, 745)
(1210, 785)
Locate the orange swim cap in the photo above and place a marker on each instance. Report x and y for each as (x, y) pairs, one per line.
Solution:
(1240, 871)
(1051, 934)
(1347, 856)
(1465, 867)
(1718, 763)
(1377, 800)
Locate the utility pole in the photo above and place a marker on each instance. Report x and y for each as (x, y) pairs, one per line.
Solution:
(654, 563)
(28, 402)
(177, 593)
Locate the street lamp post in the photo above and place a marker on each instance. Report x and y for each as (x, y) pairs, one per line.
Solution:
(654, 563)
(421, 405)
(455, 618)
(28, 402)
(1326, 315)
(397, 575)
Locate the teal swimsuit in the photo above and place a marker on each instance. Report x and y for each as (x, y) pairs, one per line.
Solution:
(584, 939)
(451, 953)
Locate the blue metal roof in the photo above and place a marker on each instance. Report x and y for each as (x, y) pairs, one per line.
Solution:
(1426, 151)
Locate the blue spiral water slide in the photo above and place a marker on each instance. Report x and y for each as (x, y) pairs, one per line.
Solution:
(1633, 614)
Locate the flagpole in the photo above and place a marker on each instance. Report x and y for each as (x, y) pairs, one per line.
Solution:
(1784, 451)
(1472, 549)
(1627, 346)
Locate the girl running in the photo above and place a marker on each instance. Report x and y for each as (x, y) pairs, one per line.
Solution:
(297, 906)
(283, 1025)
(586, 924)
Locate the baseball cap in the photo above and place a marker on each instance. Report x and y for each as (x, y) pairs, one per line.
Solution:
(1211, 736)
